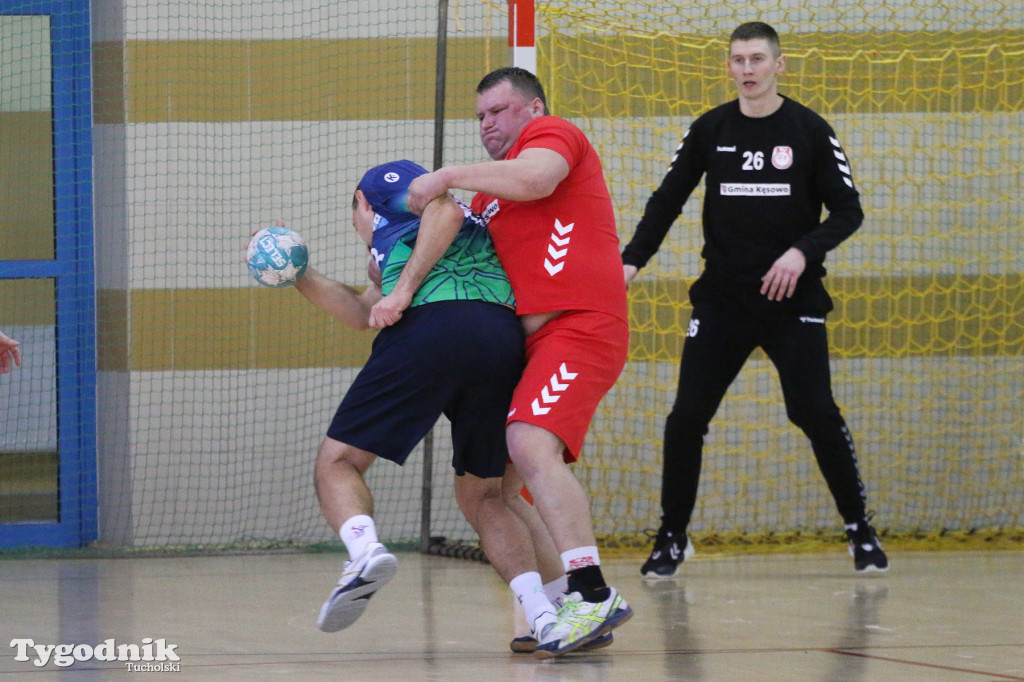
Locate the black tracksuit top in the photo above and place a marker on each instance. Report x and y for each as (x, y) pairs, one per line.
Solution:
(767, 180)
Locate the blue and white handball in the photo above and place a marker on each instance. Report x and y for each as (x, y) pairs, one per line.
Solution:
(277, 257)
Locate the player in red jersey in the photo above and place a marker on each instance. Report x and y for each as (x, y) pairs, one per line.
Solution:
(551, 218)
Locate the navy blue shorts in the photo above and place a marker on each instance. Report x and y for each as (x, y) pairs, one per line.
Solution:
(462, 359)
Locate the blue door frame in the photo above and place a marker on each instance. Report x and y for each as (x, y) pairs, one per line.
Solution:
(73, 270)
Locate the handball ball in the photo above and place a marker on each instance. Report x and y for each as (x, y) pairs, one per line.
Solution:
(277, 257)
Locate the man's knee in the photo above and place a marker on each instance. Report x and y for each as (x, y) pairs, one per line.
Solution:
(533, 449)
(512, 493)
(473, 495)
(333, 452)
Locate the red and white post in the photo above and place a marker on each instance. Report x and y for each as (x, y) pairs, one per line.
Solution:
(520, 34)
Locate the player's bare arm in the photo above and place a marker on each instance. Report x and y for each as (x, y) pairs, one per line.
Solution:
(780, 280)
(440, 223)
(339, 300)
(534, 174)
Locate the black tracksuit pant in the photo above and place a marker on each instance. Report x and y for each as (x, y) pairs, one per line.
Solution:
(717, 345)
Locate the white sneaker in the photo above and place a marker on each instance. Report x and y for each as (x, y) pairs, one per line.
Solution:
(360, 580)
(582, 625)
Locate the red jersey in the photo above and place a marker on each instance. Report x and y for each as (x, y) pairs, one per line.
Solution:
(560, 252)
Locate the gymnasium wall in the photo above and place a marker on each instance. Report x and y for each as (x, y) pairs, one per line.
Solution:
(216, 118)
(213, 120)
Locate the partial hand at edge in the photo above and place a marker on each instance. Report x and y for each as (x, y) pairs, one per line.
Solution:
(629, 273)
(10, 354)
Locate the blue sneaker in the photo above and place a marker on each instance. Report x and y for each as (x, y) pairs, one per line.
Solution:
(360, 580)
(581, 623)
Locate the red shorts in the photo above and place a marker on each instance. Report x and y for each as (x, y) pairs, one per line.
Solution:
(571, 363)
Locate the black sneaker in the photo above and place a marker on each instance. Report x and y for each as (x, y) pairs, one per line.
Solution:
(670, 549)
(865, 548)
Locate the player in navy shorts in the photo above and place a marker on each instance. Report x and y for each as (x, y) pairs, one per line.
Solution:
(460, 357)
(450, 343)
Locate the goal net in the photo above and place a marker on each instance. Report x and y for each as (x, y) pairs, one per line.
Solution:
(215, 119)
(928, 331)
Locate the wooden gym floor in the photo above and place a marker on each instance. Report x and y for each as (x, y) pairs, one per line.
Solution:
(934, 616)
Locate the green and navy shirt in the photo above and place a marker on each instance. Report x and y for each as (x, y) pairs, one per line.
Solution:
(468, 270)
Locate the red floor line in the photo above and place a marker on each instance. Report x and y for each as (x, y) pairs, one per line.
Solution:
(924, 665)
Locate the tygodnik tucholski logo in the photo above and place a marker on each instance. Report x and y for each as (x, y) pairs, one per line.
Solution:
(152, 655)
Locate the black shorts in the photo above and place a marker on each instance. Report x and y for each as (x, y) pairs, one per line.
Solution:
(462, 359)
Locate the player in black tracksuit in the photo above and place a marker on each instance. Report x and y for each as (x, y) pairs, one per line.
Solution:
(770, 165)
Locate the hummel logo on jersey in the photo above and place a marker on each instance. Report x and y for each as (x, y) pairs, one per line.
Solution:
(557, 388)
(720, 148)
(678, 149)
(843, 165)
(812, 320)
(559, 239)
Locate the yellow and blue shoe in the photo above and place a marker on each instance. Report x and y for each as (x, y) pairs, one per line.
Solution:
(581, 623)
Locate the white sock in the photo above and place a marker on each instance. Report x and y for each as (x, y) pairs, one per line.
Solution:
(580, 558)
(357, 533)
(520, 627)
(530, 593)
(556, 588)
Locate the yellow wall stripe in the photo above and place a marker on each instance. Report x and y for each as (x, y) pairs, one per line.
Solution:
(874, 317)
(250, 328)
(285, 80)
(27, 302)
(393, 78)
(26, 185)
